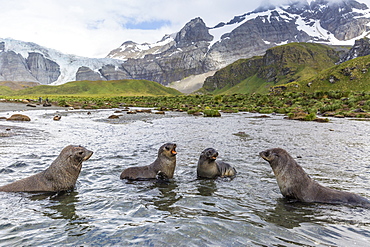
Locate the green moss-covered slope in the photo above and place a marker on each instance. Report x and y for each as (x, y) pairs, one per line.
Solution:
(99, 88)
(280, 65)
(352, 75)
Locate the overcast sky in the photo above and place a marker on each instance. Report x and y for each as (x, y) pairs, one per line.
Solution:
(93, 28)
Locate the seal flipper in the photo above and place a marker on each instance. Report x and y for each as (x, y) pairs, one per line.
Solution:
(162, 177)
(225, 169)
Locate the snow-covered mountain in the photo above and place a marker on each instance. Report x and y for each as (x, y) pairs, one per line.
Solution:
(244, 36)
(196, 49)
(338, 23)
(15, 59)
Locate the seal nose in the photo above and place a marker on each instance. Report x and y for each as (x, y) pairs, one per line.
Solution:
(214, 156)
(88, 154)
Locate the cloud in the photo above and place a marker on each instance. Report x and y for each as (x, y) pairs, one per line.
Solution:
(94, 27)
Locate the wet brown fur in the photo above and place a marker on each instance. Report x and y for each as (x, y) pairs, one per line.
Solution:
(208, 167)
(295, 183)
(61, 175)
(164, 166)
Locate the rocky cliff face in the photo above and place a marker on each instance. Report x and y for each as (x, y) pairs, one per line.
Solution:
(339, 18)
(360, 49)
(44, 70)
(85, 73)
(34, 68)
(13, 67)
(195, 49)
(111, 72)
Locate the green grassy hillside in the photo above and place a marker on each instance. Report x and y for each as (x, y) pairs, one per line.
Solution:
(352, 75)
(4, 90)
(252, 84)
(99, 88)
(280, 65)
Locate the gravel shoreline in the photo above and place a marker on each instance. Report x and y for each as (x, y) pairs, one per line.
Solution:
(7, 106)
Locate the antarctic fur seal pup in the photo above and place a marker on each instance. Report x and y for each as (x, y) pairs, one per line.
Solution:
(61, 175)
(162, 168)
(295, 183)
(208, 167)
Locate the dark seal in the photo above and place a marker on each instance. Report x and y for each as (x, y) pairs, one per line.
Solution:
(295, 183)
(208, 167)
(61, 175)
(162, 168)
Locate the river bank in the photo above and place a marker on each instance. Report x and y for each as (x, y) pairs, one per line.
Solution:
(8, 106)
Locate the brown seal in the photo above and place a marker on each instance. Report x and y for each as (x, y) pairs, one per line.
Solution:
(295, 183)
(208, 167)
(61, 175)
(163, 166)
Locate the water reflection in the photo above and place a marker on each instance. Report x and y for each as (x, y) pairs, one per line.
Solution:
(290, 214)
(63, 203)
(62, 206)
(168, 197)
(206, 187)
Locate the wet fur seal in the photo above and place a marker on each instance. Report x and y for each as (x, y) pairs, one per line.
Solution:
(208, 167)
(61, 175)
(162, 168)
(295, 183)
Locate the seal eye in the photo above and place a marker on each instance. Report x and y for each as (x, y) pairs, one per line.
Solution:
(81, 153)
(167, 148)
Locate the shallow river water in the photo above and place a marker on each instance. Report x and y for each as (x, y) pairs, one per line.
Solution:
(247, 210)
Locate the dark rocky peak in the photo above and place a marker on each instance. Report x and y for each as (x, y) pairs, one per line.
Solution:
(168, 36)
(236, 19)
(360, 49)
(324, 7)
(129, 42)
(339, 18)
(297, 7)
(194, 31)
(221, 24)
(347, 4)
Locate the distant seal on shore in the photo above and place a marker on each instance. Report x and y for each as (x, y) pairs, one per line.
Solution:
(163, 167)
(208, 167)
(61, 175)
(295, 183)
